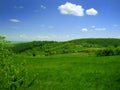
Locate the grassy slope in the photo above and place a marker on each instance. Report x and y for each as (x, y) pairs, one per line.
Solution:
(41, 48)
(74, 72)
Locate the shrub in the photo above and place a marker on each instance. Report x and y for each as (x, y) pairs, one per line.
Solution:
(117, 51)
(105, 52)
(12, 77)
(108, 52)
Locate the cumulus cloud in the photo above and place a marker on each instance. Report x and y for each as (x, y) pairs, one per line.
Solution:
(100, 29)
(91, 11)
(72, 9)
(84, 29)
(15, 20)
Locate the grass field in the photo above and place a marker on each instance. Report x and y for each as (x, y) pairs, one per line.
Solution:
(74, 72)
(83, 64)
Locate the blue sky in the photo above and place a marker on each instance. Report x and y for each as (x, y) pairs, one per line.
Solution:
(60, 20)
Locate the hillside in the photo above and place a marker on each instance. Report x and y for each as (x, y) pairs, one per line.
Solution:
(62, 67)
(78, 46)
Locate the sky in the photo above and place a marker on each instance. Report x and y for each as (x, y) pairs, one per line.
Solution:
(59, 20)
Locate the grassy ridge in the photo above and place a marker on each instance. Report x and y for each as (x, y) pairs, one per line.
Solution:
(46, 48)
(74, 72)
(103, 42)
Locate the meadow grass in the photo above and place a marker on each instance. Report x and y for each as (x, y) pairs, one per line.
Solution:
(73, 72)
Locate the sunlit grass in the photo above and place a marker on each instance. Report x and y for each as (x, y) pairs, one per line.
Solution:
(74, 72)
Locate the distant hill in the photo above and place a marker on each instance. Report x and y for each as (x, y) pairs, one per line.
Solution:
(78, 46)
(98, 41)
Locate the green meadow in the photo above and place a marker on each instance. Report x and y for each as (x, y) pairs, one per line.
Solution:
(83, 64)
(74, 72)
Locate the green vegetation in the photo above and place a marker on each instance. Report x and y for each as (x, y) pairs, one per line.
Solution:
(108, 52)
(101, 42)
(12, 77)
(80, 46)
(83, 64)
(74, 72)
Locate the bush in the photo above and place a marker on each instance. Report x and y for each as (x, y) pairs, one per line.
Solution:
(108, 52)
(117, 51)
(105, 52)
(12, 77)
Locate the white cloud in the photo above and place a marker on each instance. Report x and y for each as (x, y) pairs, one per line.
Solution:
(15, 20)
(91, 11)
(42, 6)
(84, 29)
(100, 29)
(72, 9)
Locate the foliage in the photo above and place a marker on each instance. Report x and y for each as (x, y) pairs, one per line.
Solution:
(108, 52)
(12, 77)
(100, 42)
(48, 48)
(61, 72)
(21, 47)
